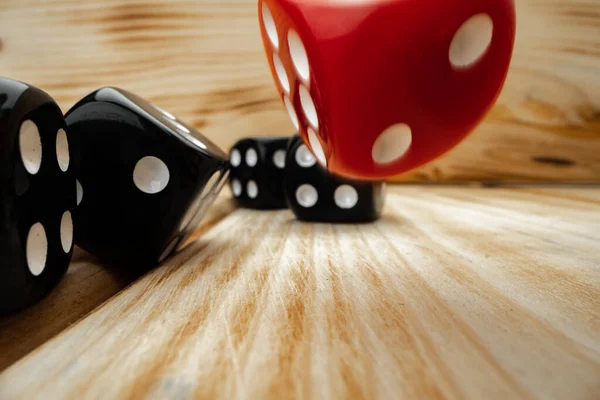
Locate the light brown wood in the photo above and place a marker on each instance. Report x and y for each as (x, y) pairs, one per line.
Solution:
(455, 293)
(203, 61)
(86, 285)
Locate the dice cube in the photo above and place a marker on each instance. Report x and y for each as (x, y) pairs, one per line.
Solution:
(37, 195)
(144, 177)
(257, 172)
(377, 88)
(314, 194)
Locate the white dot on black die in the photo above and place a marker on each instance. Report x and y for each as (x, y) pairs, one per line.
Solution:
(30, 145)
(307, 196)
(252, 189)
(78, 191)
(181, 127)
(236, 188)
(168, 250)
(222, 181)
(304, 157)
(346, 197)
(186, 133)
(191, 212)
(188, 217)
(151, 175)
(163, 112)
(210, 184)
(279, 159)
(66, 231)
(37, 249)
(251, 157)
(235, 158)
(471, 41)
(62, 150)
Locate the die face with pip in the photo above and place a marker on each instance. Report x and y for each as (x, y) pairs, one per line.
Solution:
(314, 194)
(144, 177)
(257, 172)
(37, 195)
(377, 88)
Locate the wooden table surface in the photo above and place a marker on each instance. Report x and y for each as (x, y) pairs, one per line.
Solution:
(456, 293)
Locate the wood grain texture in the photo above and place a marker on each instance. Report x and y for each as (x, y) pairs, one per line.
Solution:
(454, 294)
(203, 61)
(86, 285)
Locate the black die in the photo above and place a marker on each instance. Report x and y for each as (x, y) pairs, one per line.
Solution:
(144, 178)
(257, 172)
(37, 195)
(316, 195)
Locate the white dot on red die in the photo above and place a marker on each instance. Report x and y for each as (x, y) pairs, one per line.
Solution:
(308, 106)
(307, 196)
(392, 144)
(30, 146)
(291, 112)
(315, 144)
(151, 175)
(304, 157)
(281, 74)
(252, 189)
(62, 150)
(471, 41)
(236, 188)
(270, 26)
(37, 249)
(299, 56)
(66, 231)
(251, 157)
(345, 197)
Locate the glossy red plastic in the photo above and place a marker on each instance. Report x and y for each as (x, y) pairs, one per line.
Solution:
(395, 84)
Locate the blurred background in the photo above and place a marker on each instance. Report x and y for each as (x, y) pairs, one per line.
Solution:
(203, 61)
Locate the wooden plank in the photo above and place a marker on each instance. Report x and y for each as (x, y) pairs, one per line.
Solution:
(86, 285)
(456, 293)
(203, 61)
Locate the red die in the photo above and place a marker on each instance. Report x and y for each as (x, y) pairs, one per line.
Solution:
(379, 87)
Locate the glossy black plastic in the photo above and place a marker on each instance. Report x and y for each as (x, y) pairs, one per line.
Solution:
(31, 198)
(257, 173)
(111, 130)
(316, 195)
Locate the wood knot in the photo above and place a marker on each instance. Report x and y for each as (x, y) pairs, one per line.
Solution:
(556, 161)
